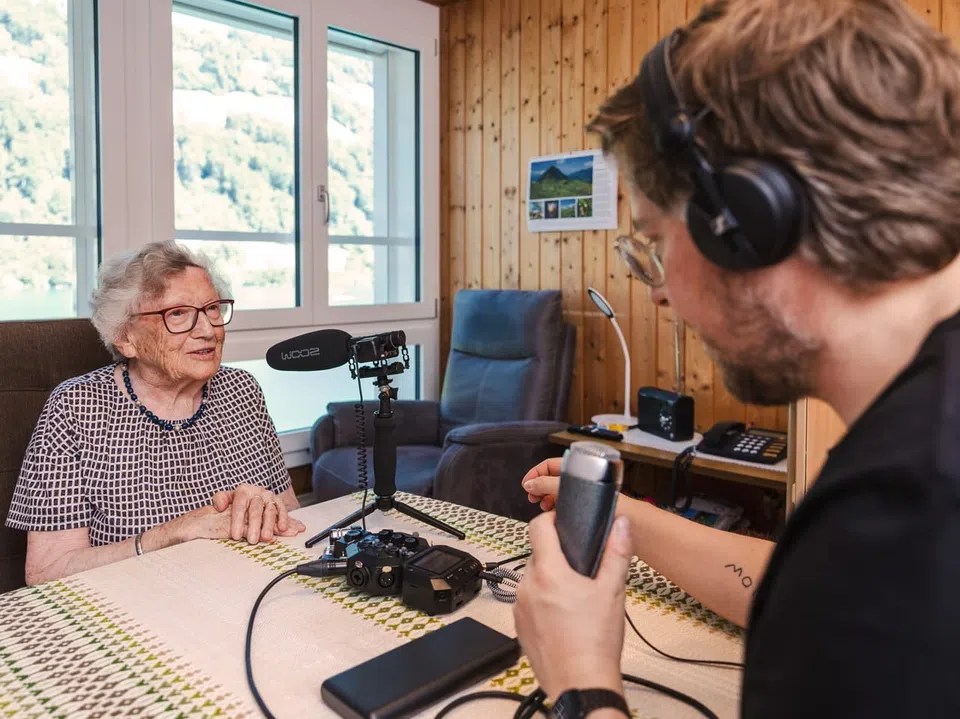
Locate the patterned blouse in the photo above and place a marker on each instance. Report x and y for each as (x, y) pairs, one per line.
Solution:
(95, 461)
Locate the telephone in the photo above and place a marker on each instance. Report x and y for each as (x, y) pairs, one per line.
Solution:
(734, 440)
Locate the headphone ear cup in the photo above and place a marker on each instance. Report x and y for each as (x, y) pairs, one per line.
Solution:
(767, 201)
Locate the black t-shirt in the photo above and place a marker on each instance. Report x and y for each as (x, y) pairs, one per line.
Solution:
(858, 614)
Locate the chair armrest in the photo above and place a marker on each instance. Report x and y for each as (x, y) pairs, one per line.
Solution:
(321, 437)
(416, 422)
(482, 465)
(493, 433)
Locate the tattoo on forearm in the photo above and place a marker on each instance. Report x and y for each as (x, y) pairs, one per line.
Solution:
(744, 579)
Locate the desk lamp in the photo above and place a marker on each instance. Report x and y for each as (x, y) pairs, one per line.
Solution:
(619, 422)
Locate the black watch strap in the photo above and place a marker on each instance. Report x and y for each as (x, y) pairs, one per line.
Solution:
(578, 703)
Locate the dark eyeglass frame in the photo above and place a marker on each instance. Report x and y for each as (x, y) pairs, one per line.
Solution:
(629, 247)
(196, 315)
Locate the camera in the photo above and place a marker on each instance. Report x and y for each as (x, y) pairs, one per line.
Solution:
(377, 348)
(434, 580)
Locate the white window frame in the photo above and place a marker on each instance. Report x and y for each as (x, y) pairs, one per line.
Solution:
(84, 229)
(137, 164)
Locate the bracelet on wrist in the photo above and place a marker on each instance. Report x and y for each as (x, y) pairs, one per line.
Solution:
(138, 544)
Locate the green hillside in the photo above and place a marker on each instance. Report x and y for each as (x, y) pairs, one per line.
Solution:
(233, 148)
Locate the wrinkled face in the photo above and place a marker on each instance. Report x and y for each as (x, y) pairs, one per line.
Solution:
(193, 355)
(761, 359)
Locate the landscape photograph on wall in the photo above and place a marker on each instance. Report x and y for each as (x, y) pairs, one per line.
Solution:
(571, 191)
(561, 177)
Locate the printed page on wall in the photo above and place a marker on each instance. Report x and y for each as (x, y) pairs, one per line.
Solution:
(572, 191)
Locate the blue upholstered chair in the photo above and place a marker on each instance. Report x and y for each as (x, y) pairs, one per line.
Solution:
(505, 390)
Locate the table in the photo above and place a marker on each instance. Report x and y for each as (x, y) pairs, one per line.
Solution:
(162, 635)
(658, 452)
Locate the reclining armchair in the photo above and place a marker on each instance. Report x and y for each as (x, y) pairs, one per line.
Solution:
(505, 390)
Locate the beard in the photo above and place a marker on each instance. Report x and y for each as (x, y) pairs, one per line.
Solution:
(763, 362)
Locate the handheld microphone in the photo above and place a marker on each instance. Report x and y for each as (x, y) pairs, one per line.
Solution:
(322, 349)
(590, 477)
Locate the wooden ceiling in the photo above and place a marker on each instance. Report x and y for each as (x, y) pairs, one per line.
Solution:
(441, 3)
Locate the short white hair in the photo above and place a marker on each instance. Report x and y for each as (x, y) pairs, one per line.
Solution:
(129, 279)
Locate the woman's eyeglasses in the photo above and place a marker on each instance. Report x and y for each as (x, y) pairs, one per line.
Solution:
(642, 259)
(183, 318)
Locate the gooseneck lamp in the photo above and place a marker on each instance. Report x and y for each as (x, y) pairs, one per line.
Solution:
(618, 422)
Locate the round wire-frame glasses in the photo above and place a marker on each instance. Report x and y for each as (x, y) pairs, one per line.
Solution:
(642, 259)
(183, 318)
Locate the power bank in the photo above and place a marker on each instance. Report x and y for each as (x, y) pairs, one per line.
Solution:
(404, 680)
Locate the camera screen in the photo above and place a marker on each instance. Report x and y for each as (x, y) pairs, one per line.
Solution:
(436, 562)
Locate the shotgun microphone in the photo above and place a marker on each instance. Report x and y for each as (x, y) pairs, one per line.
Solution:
(322, 349)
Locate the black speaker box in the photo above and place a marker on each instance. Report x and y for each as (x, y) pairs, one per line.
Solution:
(665, 413)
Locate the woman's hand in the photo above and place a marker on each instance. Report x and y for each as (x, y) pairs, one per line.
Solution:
(542, 483)
(202, 523)
(571, 626)
(256, 514)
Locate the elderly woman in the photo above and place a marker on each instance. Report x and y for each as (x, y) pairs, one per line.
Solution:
(162, 447)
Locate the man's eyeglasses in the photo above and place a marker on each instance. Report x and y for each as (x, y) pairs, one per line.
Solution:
(642, 259)
(183, 318)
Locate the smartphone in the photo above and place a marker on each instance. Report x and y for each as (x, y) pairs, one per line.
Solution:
(409, 678)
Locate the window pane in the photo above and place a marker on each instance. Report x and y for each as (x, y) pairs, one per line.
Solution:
(48, 175)
(296, 400)
(234, 105)
(372, 141)
(42, 284)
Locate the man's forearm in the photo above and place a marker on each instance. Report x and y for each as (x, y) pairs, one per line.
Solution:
(721, 569)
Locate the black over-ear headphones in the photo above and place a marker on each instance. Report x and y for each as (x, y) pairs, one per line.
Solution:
(745, 214)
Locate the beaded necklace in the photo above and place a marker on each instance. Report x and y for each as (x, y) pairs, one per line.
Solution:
(163, 423)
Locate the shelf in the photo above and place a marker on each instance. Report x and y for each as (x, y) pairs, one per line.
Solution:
(759, 475)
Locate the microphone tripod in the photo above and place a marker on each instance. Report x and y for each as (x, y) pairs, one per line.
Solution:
(385, 462)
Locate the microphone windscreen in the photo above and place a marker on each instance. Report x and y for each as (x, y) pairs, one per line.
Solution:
(323, 349)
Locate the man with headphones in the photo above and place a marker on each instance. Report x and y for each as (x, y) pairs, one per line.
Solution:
(794, 169)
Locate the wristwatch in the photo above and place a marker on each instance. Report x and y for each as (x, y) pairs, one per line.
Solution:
(577, 703)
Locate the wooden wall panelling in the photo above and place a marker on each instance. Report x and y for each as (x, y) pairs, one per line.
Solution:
(643, 339)
(529, 134)
(597, 361)
(490, 228)
(571, 138)
(950, 19)
(510, 145)
(551, 26)
(473, 260)
(930, 10)
(523, 78)
(617, 283)
(455, 63)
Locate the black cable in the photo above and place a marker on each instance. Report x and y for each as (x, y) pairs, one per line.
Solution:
(361, 422)
(678, 695)
(494, 565)
(476, 696)
(685, 660)
(532, 704)
(681, 465)
(253, 614)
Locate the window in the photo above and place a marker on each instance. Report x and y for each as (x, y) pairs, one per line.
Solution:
(372, 138)
(295, 400)
(235, 131)
(294, 141)
(49, 235)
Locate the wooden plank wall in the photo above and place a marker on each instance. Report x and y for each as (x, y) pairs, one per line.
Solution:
(522, 78)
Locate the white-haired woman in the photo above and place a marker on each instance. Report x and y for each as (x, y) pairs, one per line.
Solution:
(163, 446)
